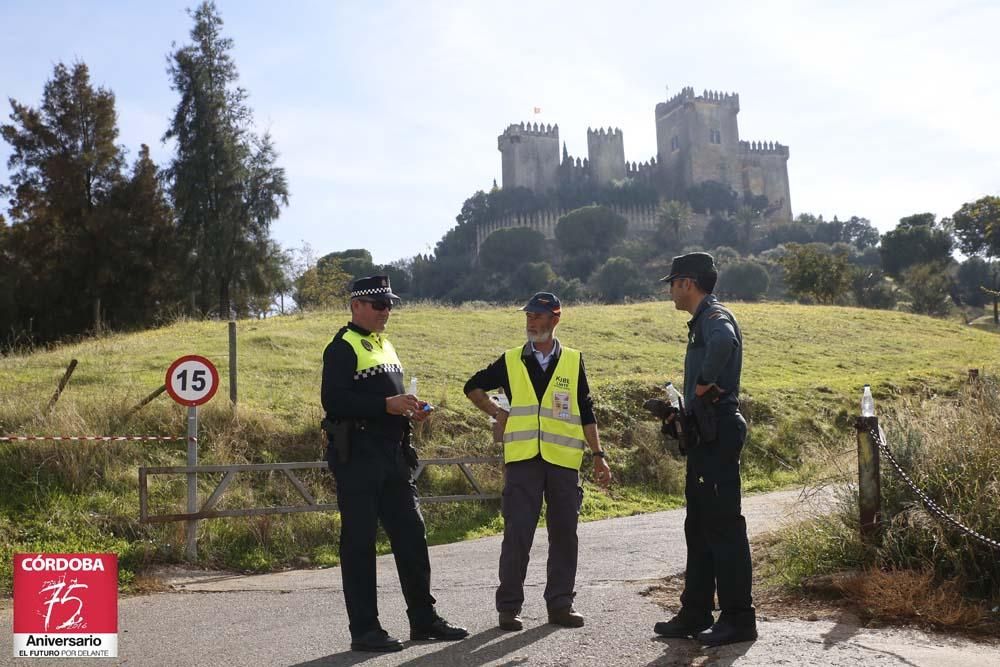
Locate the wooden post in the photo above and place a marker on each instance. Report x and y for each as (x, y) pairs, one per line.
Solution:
(62, 385)
(232, 362)
(141, 404)
(869, 484)
(98, 326)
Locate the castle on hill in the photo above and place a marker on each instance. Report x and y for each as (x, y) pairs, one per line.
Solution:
(697, 140)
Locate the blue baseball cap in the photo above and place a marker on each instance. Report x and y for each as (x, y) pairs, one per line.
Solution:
(544, 302)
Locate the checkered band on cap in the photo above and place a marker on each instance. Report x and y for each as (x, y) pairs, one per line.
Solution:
(377, 370)
(370, 292)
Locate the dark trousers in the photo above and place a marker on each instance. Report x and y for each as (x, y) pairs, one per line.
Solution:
(375, 486)
(525, 484)
(718, 552)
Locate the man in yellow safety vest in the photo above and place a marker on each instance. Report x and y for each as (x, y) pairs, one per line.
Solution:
(550, 424)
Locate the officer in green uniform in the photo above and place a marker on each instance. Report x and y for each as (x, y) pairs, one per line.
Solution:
(718, 552)
(550, 423)
(368, 425)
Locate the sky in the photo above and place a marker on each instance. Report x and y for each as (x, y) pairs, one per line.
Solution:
(386, 114)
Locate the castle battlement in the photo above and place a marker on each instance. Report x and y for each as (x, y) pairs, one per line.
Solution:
(718, 97)
(612, 134)
(687, 95)
(763, 148)
(678, 100)
(635, 168)
(531, 130)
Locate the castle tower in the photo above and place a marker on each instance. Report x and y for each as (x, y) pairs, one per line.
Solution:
(530, 156)
(698, 139)
(764, 167)
(606, 151)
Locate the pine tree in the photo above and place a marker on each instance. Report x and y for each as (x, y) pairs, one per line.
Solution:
(145, 246)
(225, 184)
(65, 164)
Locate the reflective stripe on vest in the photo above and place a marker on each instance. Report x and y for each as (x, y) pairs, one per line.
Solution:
(375, 355)
(552, 427)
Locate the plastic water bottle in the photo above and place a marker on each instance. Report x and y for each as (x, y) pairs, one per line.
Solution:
(673, 397)
(413, 386)
(867, 402)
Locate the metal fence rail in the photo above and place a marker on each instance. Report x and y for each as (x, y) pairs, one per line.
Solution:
(208, 511)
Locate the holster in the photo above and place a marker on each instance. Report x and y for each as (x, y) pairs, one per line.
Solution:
(680, 429)
(409, 452)
(706, 415)
(338, 434)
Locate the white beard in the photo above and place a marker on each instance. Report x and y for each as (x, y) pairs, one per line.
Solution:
(539, 337)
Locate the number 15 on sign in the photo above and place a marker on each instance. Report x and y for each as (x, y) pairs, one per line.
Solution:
(192, 380)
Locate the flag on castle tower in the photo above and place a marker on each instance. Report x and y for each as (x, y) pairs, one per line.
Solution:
(538, 109)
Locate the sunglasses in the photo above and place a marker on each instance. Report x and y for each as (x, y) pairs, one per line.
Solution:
(379, 305)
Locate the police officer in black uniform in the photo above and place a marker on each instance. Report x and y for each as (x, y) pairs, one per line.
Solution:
(718, 552)
(368, 425)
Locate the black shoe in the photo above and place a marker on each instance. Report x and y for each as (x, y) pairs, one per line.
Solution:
(511, 620)
(566, 617)
(439, 629)
(378, 641)
(683, 625)
(729, 632)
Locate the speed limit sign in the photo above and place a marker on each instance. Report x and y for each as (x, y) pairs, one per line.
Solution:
(192, 380)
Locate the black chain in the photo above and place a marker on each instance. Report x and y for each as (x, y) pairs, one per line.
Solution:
(932, 507)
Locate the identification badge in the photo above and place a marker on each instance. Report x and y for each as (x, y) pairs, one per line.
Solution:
(560, 405)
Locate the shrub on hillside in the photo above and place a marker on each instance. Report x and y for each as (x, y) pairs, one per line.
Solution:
(745, 281)
(619, 278)
(872, 289)
(929, 287)
(721, 232)
(811, 273)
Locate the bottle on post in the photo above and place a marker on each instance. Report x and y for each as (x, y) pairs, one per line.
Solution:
(867, 402)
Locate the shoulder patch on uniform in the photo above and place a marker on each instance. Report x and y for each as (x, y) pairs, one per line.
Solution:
(365, 344)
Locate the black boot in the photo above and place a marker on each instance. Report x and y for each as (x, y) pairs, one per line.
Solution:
(378, 641)
(440, 629)
(730, 630)
(685, 624)
(510, 620)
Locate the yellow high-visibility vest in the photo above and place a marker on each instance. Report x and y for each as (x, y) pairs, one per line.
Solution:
(552, 427)
(375, 354)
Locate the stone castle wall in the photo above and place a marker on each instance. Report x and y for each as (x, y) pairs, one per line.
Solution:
(642, 222)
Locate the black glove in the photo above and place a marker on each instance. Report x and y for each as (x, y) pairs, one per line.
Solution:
(664, 412)
(660, 408)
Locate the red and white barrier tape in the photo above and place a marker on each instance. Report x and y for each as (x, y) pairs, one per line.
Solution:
(91, 438)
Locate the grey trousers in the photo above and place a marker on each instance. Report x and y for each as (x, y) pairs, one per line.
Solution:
(525, 483)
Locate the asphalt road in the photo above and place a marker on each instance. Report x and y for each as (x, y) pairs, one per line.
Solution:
(298, 618)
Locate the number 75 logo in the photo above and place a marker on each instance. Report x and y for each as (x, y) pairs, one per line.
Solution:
(60, 596)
